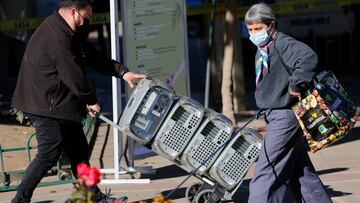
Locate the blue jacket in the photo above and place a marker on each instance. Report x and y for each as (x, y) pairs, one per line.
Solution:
(273, 88)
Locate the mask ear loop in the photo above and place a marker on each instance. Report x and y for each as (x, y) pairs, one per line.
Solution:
(268, 29)
(74, 11)
(271, 34)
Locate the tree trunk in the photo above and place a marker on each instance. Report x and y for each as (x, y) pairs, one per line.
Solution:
(239, 93)
(229, 44)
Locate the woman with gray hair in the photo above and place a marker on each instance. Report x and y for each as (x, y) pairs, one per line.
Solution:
(283, 163)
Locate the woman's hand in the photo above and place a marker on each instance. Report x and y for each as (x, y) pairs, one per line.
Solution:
(295, 94)
(131, 77)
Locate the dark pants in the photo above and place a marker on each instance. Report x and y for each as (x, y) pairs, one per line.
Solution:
(284, 164)
(53, 136)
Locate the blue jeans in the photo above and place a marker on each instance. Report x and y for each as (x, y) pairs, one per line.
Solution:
(53, 136)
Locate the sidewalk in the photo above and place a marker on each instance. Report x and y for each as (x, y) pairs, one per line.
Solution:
(337, 165)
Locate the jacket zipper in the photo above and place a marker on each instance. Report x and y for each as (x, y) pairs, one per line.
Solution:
(54, 87)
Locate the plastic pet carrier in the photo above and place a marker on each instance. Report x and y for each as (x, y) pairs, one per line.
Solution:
(228, 170)
(235, 160)
(146, 109)
(178, 128)
(213, 132)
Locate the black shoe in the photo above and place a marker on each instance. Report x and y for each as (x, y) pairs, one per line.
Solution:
(107, 197)
(113, 199)
(16, 200)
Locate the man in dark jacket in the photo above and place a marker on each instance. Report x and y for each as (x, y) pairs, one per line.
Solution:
(53, 91)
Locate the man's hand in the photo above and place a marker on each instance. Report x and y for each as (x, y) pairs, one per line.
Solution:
(92, 109)
(131, 77)
(295, 94)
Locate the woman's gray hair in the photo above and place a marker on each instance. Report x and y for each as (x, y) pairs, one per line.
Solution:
(259, 13)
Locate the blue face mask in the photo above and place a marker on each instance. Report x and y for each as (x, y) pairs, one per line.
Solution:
(260, 38)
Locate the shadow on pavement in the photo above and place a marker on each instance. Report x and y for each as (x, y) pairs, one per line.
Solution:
(332, 170)
(352, 136)
(170, 171)
(178, 194)
(333, 193)
(242, 194)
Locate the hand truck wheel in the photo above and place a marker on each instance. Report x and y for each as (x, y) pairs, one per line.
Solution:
(192, 190)
(203, 196)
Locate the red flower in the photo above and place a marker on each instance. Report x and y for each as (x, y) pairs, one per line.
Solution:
(93, 177)
(89, 174)
(82, 170)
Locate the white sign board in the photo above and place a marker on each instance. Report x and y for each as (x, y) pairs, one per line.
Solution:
(155, 40)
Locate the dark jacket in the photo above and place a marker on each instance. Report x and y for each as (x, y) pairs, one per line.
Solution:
(51, 81)
(273, 89)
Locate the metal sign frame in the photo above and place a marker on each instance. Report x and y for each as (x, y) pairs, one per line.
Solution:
(117, 106)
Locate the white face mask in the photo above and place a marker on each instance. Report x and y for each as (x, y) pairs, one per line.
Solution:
(260, 38)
